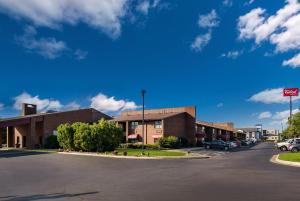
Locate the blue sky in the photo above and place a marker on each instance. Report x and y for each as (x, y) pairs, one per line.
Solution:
(229, 58)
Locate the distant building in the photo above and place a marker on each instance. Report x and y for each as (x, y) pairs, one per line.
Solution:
(31, 129)
(251, 133)
(271, 134)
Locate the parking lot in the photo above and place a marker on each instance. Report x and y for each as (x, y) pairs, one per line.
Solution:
(244, 175)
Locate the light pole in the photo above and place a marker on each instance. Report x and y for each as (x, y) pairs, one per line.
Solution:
(143, 120)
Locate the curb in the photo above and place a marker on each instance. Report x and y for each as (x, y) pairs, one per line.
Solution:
(275, 159)
(134, 157)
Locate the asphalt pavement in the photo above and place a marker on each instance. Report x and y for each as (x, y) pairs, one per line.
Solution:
(245, 175)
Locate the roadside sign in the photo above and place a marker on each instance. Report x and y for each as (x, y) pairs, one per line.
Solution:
(291, 92)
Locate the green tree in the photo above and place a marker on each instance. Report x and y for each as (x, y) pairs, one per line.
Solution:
(65, 136)
(83, 138)
(293, 129)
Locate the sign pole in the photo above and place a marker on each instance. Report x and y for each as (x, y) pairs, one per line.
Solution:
(291, 108)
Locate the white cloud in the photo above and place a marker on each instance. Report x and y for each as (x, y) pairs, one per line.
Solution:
(250, 2)
(227, 3)
(103, 15)
(1, 106)
(270, 96)
(143, 7)
(42, 104)
(47, 47)
(72, 106)
(265, 115)
(220, 105)
(232, 54)
(104, 103)
(209, 20)
(293, 62)
(282, 117)
(200, 42)
(281, 29)
(80, 54)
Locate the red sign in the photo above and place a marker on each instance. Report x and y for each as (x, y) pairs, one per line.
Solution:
(291, 92)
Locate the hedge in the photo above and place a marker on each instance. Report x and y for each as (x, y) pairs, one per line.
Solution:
(102, 136)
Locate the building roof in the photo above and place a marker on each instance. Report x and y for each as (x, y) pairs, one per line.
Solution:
(213, 125)
(26, 119)
(148, 117)
(248, 129)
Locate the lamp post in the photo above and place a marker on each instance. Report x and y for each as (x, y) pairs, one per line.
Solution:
(143, 119)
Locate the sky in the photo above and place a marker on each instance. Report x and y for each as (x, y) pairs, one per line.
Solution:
(229, 58)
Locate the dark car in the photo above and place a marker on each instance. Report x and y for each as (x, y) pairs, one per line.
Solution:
(217, 144)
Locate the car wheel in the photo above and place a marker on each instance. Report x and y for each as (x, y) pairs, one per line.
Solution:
(283, 148)
(294, 150)
(226, 148)
(207, 147)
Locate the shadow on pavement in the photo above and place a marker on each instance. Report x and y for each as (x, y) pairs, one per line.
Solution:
(45, 196)
(252, 148)
(15, 153)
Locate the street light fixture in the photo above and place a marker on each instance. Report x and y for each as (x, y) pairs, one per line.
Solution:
(143, 121)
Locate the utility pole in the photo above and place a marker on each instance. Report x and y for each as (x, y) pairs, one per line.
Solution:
(143, 121)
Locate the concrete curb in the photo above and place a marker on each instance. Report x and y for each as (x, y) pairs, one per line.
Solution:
(134, 157)
(275, 159)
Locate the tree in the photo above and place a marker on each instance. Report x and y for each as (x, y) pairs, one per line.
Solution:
(83, 140)
(65, 136)
(293, 129)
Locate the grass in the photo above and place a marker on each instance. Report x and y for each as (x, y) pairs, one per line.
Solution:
(150, 153)
(293, 157)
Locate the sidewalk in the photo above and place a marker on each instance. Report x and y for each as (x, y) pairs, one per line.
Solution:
(275, 159)
(189, 156)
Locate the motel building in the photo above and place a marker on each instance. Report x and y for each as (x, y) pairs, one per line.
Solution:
(208, 131)
(179, 122)
(31, 129)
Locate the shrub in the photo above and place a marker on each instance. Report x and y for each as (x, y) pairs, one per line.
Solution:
(52, 142)
(83, 138)
(169, 142)
(102, 136)
(65, 136)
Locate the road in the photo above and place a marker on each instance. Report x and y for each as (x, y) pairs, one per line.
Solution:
(245, 175)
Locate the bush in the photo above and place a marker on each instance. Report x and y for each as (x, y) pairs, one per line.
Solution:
(83, 139)
(52, 142)
(65, 136)
(169, 142)
(102, 136)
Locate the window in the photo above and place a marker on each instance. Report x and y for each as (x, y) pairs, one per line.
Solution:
(157, 124)
(134, 125)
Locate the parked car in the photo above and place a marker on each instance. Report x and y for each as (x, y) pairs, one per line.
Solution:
(283, 146)
(245, 142)
(233, 144)
(217, 144)
(253, 140)
(295, 146)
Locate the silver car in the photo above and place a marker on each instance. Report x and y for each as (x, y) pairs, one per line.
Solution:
(283, 146)
(295, 146)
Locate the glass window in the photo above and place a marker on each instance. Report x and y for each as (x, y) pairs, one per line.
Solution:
(157, 124)
(134, 125)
